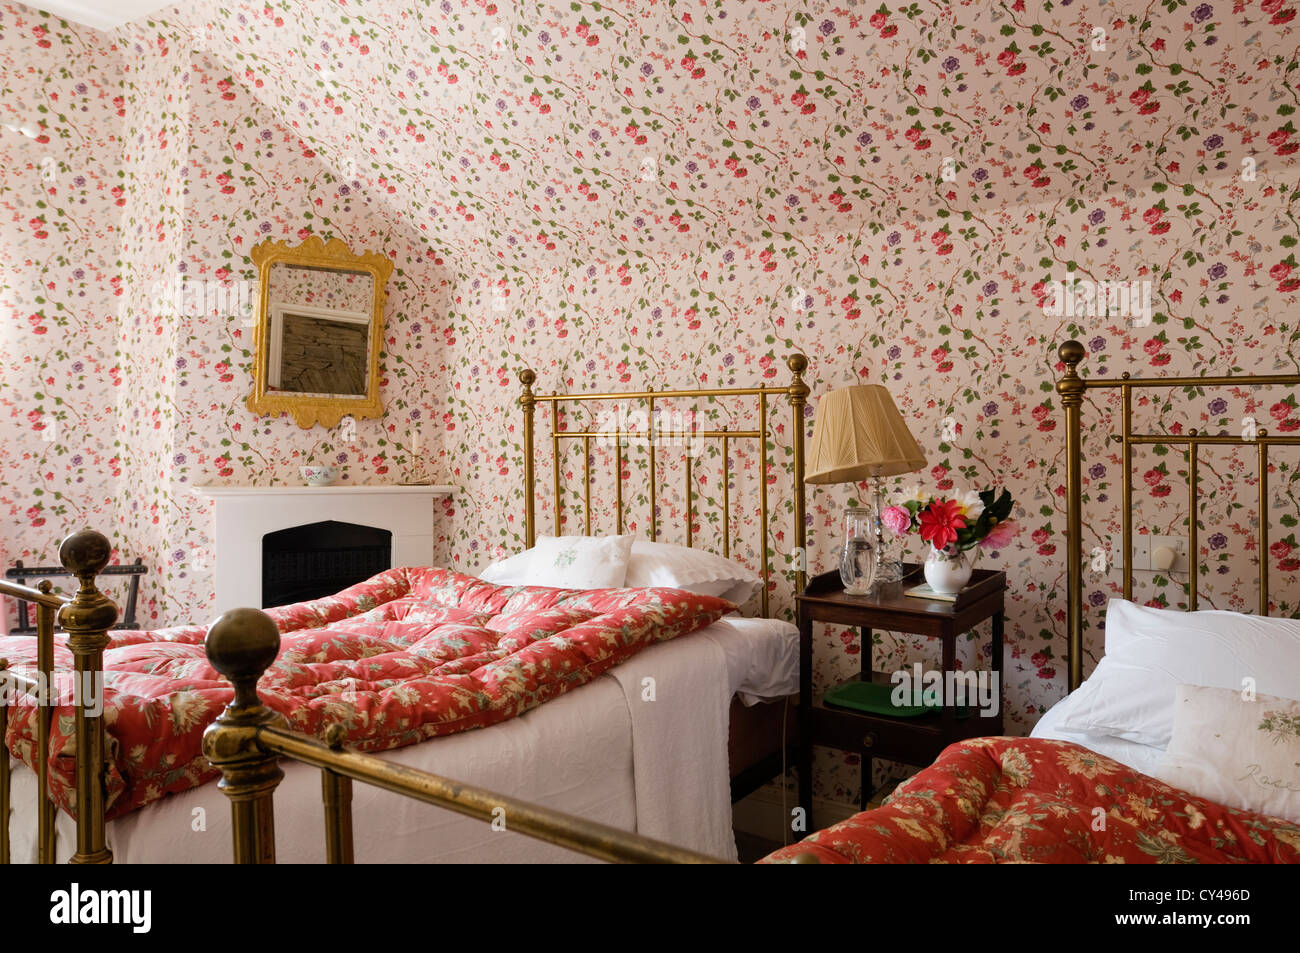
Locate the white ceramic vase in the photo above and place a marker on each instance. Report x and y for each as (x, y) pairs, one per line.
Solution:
(949, 574)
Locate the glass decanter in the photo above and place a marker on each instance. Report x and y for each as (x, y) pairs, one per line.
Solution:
(858, 556)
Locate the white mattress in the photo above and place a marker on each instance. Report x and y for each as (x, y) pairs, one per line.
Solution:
(1140, 757)
(574, 753)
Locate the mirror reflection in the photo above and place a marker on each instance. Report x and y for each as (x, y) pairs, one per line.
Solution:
(319, 330)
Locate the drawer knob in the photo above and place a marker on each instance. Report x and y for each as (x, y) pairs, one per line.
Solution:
(869, 740)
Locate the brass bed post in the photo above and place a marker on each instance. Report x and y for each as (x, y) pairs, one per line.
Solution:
(45, 812)
(618, 477)
(528, 403)
(799, 392)
(1262, 451)
(87, 619)
(690, 505)
(1126, 506)
(650, 437)
(762, 495)
(1071, 388)
(1193, 543)
(241, 645)
(726, 494)
(556, 461)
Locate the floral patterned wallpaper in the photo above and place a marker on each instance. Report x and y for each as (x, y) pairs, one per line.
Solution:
(679, 193)
(60, 281)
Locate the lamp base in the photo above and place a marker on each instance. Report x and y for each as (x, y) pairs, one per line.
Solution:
(888, 570)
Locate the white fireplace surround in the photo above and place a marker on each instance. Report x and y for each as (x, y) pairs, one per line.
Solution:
(244, 514)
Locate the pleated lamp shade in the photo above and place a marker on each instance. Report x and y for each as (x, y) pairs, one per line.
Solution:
(859, 434)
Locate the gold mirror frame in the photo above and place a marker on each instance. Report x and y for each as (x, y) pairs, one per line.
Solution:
(311, 409)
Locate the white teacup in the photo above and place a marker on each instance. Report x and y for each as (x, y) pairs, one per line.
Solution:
(319, 476)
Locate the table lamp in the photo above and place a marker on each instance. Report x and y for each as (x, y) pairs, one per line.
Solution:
(859, 435)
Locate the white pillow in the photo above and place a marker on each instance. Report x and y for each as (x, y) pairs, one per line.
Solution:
(580, 562)
(695, 570)
(651, 565)
(511, 571)
(1240, 753)
(1150, 652)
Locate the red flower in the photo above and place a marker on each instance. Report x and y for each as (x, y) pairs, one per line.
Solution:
(1152, 215)
(940, 522)
(1280, 549)
(878, 20)
(1153, 346)
(1006, 58)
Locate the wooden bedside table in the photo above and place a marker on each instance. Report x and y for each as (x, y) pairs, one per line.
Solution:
(908, 740)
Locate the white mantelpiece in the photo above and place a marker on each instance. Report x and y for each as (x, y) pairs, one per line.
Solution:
(244, 514)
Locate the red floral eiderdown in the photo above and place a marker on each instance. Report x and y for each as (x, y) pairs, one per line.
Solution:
(405, 656)
(1011, 800)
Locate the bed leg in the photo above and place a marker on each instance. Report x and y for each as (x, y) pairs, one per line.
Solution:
(87, 619)
(336, 792)
(241, 645)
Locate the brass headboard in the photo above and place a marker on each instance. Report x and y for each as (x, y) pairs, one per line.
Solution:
(797, 391)
(1071, 387)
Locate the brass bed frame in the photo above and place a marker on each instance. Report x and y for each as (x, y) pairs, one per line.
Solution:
(797, 391)
(1072, 389)
(248, 739)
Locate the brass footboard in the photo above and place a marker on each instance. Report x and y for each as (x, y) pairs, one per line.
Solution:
(247, 741)
(86, 618)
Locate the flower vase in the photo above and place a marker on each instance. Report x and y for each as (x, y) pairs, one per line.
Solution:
(948, 572)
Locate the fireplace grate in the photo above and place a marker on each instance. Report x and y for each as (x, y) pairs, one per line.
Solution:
(319, 559)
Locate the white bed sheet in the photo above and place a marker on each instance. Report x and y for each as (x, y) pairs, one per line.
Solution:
(1140, 757)
(575, 753)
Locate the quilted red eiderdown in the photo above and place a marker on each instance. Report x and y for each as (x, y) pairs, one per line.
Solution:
(405, 656)
(1017, 800)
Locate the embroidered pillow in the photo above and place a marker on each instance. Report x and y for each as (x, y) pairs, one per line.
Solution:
(1240, 753)
(580, 562)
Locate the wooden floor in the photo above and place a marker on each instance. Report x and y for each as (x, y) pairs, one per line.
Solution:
(753, 847)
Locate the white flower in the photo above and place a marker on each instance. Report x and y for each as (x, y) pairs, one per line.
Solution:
(914, 494)
(974, 506)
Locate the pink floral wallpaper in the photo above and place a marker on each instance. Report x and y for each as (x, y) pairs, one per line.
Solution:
(675, 193)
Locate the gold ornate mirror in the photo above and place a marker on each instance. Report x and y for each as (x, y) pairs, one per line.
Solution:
(319, 331)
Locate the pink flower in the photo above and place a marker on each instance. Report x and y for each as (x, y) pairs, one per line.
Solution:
(896, 519)
(1001, 535)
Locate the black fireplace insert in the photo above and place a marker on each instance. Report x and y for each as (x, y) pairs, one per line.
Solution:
(319, 559)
